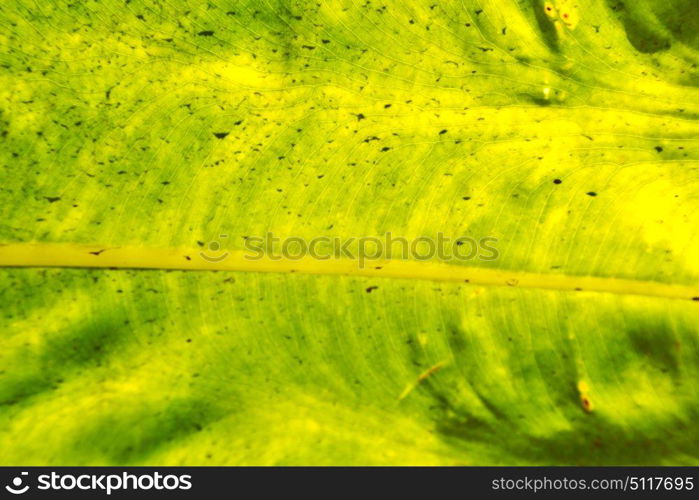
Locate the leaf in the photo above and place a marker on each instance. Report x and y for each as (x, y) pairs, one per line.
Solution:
(146, 145)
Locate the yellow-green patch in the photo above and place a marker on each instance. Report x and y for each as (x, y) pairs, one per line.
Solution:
(566, 130)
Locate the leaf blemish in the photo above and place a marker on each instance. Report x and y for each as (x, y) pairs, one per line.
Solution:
(585, 401)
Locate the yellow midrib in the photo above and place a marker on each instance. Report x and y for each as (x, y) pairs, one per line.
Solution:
(122, 257)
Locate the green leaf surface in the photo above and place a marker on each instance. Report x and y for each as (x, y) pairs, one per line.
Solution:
(133, 134)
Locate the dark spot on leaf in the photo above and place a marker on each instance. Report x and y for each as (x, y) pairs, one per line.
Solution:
(52, 199)
(221, 135)
(557, 181)
(591, 193)
(205, 33)
(659, 149)
(586, 404)
(369, 290)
